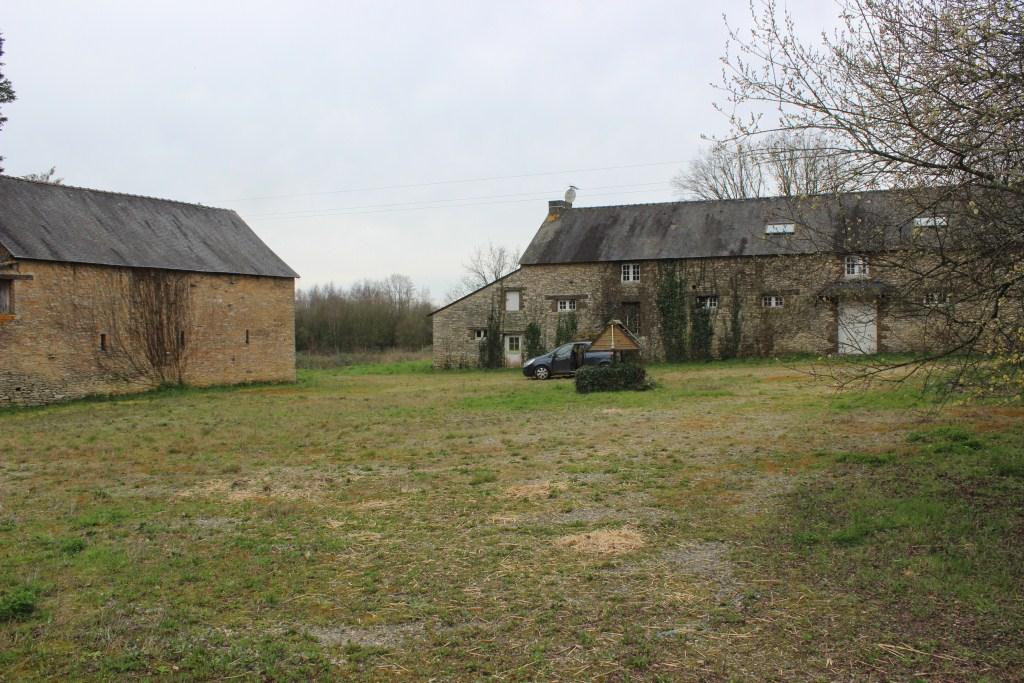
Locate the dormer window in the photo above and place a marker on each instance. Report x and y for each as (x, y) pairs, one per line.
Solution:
(931, 222)
(856, 265)
(780, 228)
(631, 272)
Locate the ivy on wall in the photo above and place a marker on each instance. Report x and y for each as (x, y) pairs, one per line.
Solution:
(566, 329)
(491, 352)
(532, 340)
(729, 344)
(673, 308)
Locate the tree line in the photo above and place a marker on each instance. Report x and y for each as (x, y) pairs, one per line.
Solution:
(370, 315)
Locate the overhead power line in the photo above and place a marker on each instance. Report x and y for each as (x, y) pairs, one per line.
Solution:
(424, 203)
(537, 197)
(455, 182)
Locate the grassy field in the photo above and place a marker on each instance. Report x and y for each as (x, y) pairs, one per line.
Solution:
(739, 522)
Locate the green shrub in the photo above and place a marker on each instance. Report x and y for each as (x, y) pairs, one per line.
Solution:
(617, 377)
(17, 604)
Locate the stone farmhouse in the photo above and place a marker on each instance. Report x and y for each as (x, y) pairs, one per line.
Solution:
(102, 292)
(750, 277)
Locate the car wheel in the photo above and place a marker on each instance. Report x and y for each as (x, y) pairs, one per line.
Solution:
(542, 372)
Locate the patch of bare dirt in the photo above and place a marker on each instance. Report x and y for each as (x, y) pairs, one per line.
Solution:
(604, 541)
(384, 635)
(537, 489)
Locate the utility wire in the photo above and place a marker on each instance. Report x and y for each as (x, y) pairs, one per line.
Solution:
(454, 182)
(298, 213)
(452, 206)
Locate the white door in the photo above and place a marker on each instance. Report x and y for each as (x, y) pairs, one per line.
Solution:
(513, 357)
(858, 327)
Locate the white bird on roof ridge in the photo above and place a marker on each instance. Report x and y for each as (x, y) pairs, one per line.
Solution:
(570, 194)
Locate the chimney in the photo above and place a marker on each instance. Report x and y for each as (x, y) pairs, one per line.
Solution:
(555, 209)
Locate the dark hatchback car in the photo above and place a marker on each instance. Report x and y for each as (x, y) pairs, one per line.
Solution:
(565, 360)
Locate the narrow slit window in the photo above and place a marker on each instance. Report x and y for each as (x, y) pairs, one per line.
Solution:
(181, 339)
(247, 336)
(5, 298)
(103, 342)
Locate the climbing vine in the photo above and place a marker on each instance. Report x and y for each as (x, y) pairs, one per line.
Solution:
(566, 329)
(491, 352)
(673, 307)
(729, 344)
(532, 340)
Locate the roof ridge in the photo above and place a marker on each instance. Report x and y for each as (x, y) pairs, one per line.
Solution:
(733, 199)
(113, 192)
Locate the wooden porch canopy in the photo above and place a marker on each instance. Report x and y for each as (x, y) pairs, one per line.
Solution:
(615, 337)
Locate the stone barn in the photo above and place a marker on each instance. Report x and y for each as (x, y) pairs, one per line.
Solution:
(709, 279)
(102, 292)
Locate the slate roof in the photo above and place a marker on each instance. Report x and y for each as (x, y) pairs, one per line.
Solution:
(736, 227)
(45, 222)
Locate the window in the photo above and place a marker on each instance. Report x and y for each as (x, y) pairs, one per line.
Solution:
(566, 305)
(771, 301)
(480, 334)
(6, 303)
(631, 272)
(247, 336)
(936, 298)
(511, 301)
(631, 316)
(181, 339)
(780, 228)
(513, 344)
(709, 302)
(856, 266)
(931, 222)
(103, 342)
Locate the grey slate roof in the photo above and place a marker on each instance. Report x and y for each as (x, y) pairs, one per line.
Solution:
(695, 229)
(44, 222)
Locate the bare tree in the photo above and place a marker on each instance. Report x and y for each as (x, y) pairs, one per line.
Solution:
(6, 93)
(787, 164)
(924, 97)
(485, 265)
(724, 171)
(45, 177)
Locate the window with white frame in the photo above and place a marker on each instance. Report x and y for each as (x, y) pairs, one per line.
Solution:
(772, 301)
(480, 335)
(856, 265)
(6, 303)
(780, 228)
(708, 302)
(931, 222)
(936, 298)
(631, 272)
(565, 305)
(511, 301)
(513, 344)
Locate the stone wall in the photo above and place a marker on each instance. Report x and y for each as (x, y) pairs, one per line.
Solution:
(806, 323)
(239, 329)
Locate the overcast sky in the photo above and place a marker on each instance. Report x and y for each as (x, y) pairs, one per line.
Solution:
(363, 139)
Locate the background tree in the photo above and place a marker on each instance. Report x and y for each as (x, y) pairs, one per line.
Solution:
(45, 177)
(6, 93)
(788, 164)
(370, 315)
(485, 265)
(926, 98)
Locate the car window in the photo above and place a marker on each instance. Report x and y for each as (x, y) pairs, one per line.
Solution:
(563, 351)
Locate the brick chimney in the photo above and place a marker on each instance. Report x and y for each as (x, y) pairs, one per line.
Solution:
(555, 209)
